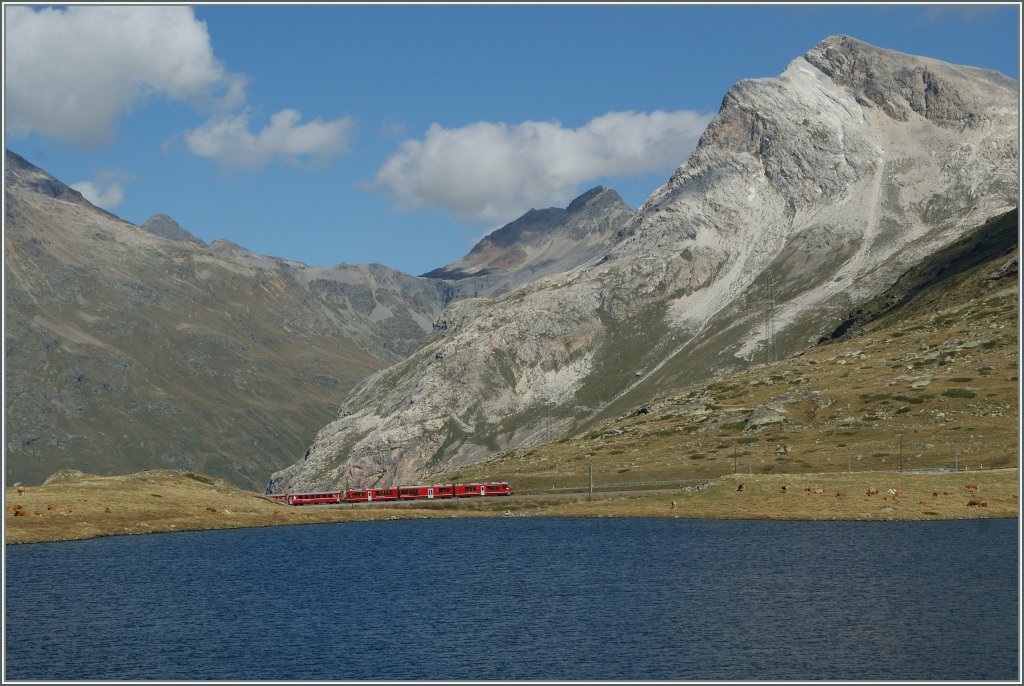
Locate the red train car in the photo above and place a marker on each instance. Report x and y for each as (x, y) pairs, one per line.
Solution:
(493, 488)
(369, 495)
(384, 494)
(498, 488)
(312, 498)
(425, 492)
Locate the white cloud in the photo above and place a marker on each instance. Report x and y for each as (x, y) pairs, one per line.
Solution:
(489, 173)
(71, 72)
(227, 140)
(106, 190)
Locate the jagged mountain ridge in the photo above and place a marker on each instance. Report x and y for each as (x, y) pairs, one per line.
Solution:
(807, 194)
(394, 312)
(142, 347)
(541, 243)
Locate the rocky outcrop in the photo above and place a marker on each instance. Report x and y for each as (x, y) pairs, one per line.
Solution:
(539, 244)
(165, 227)
(808, 193)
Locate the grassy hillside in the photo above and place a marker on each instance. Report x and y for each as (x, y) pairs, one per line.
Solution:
(126, 351)
(925, 385)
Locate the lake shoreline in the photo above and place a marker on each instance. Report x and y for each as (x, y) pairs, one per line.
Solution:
(165, 501)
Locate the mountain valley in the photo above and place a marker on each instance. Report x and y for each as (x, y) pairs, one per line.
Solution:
(787, 285)
(144, 347)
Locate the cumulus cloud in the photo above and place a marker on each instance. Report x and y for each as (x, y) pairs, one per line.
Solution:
(489, 173)
(71, 72)
(227, 140)
(106, 190)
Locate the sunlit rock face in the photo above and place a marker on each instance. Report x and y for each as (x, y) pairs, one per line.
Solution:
(808, 193)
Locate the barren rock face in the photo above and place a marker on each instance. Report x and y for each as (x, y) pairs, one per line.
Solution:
(808, 193)
(538, 244)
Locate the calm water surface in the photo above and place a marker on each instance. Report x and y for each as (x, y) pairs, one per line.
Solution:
(522, 598)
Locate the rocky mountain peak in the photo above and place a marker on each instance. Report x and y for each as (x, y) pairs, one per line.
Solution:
(545, 241)
(164, 226)
(598, 195)
(945, 94)
(808, 193)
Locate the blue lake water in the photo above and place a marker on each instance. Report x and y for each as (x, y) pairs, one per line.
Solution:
(522, 599)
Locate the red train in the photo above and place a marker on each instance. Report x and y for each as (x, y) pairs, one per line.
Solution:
(368, 495)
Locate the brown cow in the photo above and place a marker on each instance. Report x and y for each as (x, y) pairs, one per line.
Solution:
(840, 494)
(872, 491)
(977, 503)
(973, 488)
(785, 488)
(740, 487)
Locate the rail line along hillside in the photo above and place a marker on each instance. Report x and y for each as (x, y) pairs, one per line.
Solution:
(369, 495)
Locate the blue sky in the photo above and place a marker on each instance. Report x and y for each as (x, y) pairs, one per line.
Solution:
(402, 134)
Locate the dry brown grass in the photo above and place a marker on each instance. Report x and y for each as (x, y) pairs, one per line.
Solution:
(165, 501)
(161, 501)
(919, 496)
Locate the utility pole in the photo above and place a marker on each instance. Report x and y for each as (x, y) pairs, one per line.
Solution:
(591, 470)
(900, 437)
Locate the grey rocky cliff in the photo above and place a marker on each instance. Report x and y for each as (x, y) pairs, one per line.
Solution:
(539, 244)
(164, 226)
(808, 193)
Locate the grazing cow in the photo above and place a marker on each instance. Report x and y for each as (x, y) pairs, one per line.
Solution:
(840, 494)
(935, 494)
(21, 490)
(740, 487)
(107, 510)
(819, 490)
(977, 503)
(973, 488)
(785, 488)
(872, 491)
(20, 513)
(891, 491)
